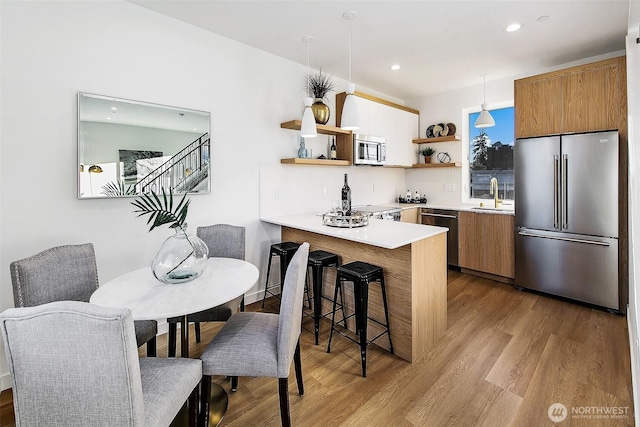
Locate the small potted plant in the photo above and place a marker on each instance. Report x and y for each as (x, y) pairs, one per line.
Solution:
(320, 85)
(427, 153)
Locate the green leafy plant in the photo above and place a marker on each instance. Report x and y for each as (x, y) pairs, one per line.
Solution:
(320, 85)
(161, 210)
(427, 152)
(114, 189)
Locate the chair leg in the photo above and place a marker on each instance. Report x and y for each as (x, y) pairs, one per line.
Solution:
(234, 384)
(297, 363)
(242, 303)
(266, 282)
(197, 328)
(193, 405)
(333, 312)
(173, 338)
(283, 392)
(205, 392)
(151, 347)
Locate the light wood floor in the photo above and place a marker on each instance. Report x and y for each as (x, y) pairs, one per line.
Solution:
(505, 358)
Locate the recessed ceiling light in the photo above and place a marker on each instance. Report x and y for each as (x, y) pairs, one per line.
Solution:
(394, 67)
(542, 18)
(108, 118)
(114, 109)
(513, 27)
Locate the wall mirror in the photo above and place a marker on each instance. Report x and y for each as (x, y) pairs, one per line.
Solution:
(127, 148)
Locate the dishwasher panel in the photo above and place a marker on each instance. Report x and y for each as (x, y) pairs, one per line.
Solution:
(444, 218)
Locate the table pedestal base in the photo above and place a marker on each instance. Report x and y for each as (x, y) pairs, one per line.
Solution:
(218, 402)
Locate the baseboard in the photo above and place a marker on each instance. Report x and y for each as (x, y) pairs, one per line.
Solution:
(507, 280)
(634, 357)
(5, 382)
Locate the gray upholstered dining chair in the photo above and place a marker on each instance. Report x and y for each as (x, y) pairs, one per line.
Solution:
(223, 240)
(66, 273)
(262, 344)
(63, 375)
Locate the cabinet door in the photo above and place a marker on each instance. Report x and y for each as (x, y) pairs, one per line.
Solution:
(499, 244)
(471, 241)
(410, 215)
(537, 106)
(590, 98)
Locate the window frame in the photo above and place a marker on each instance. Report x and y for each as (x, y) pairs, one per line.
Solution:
(466, 163)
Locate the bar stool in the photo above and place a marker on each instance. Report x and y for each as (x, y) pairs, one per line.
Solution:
(318, 261)
(285, 251)
(361, 274)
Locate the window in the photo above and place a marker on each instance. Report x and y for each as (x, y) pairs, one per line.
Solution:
(491, 155)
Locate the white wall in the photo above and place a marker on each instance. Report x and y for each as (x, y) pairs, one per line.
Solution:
(633, 100)
(52, 50)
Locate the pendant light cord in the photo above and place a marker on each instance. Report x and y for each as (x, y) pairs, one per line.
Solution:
(350, 80)
(308, 41)
(484, 88)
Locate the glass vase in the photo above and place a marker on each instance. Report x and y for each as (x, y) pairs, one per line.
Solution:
(181, 258)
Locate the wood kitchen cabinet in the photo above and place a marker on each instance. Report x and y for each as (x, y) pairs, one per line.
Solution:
(585, 98)
(410, 215)
(486, 243)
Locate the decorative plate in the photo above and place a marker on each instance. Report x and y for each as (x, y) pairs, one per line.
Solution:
(430, 131)
(443, 157)
(437, 130)
(445, 129)
(452, 129)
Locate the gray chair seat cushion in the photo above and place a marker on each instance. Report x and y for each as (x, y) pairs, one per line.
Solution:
(163, 380)
(145, 330)
(227, 354)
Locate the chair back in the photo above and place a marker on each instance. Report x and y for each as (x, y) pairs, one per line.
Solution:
(223, 240)
(290, 318)
(60, 273)
(63, 375)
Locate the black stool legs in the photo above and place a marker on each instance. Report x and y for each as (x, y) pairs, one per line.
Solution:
(284, 251)
(361, 274)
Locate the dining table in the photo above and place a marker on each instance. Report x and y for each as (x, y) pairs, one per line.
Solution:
(150, 299)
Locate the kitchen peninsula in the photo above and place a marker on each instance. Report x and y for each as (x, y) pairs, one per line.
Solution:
(413, 257)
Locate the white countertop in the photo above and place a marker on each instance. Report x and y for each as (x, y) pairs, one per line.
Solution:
(385, 234)
(468, 207)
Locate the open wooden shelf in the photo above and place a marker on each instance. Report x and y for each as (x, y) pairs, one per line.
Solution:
(437, 165)
(322, 162)
(448, 138)
(323, 129)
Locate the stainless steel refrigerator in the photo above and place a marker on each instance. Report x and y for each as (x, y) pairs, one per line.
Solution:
(566, 234)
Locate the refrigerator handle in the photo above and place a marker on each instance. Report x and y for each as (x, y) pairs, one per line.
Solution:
(565, 196)
(564, 239)
(556, 166)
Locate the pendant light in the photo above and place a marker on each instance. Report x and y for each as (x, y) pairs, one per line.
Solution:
(308, 128)
(349, 119)
(484, 120)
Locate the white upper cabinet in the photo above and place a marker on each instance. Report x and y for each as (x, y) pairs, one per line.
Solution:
(397, 124)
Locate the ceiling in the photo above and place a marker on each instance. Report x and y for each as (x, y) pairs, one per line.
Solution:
(440, 45)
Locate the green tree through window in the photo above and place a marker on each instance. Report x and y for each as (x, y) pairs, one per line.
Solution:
(491, 155)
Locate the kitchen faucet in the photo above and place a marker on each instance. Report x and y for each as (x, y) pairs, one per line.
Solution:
(493, 190)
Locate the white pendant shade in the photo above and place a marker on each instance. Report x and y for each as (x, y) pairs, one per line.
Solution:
(308, 128)
(349, 119)
(484, 120)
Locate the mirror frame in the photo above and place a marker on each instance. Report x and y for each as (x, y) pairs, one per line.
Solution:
(137, 147)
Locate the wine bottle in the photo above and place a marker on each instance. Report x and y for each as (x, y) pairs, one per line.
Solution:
(334, 150)
(346, 197)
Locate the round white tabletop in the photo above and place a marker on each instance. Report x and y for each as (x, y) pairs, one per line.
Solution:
(149, 299)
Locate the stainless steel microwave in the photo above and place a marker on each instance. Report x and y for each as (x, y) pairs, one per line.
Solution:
(369, 150)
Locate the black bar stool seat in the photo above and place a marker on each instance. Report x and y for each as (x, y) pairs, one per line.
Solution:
(318, 260)
(285, 251)
(361, 274)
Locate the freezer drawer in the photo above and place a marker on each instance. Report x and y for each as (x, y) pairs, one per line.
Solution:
(568, 265)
